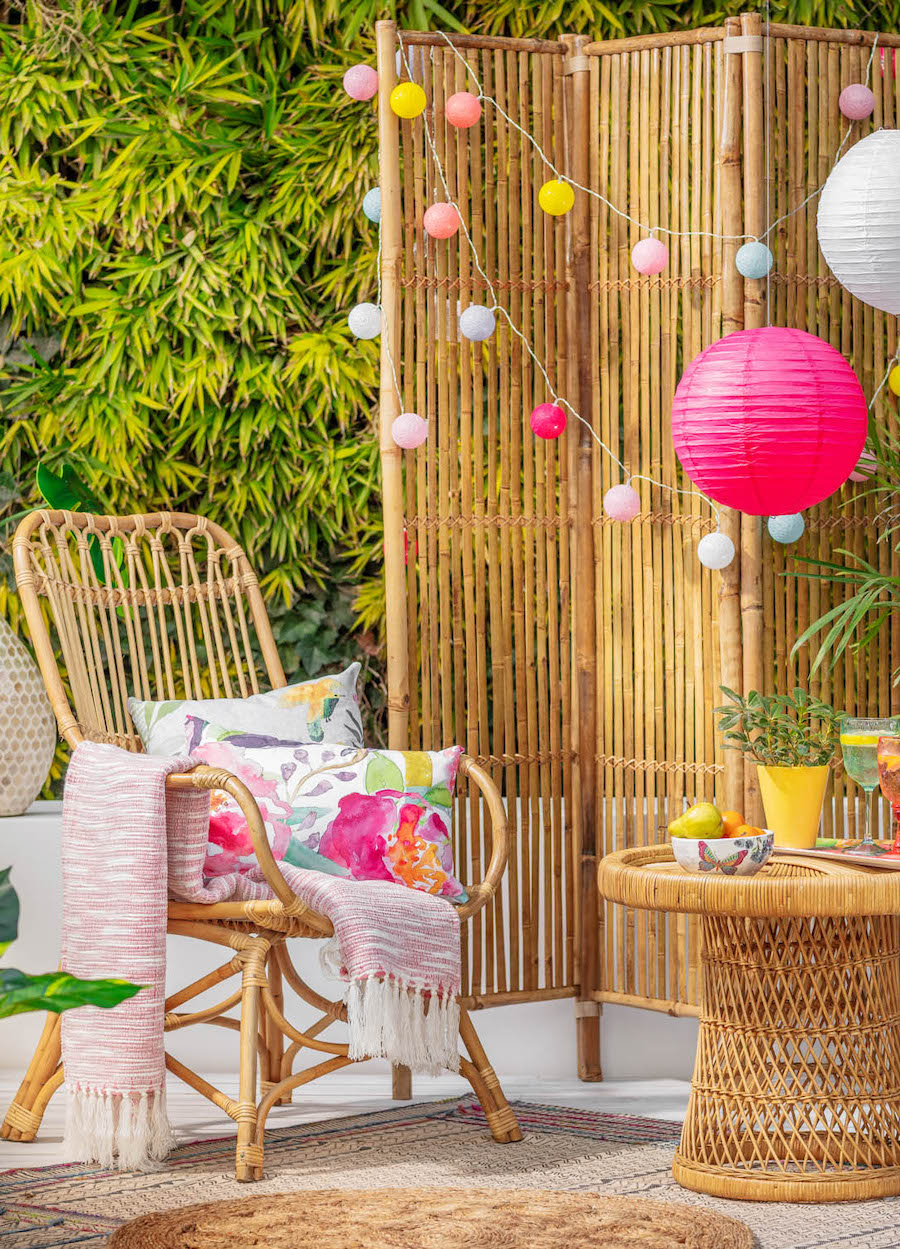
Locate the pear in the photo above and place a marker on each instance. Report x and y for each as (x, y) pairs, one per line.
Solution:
(701, 820)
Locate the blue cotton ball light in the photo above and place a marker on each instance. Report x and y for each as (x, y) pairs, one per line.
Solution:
(365, 320)
(477, 322)
(754, 260)
(372, 204)
(786, 529)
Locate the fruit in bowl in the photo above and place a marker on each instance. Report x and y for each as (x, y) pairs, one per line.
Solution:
(705, 839)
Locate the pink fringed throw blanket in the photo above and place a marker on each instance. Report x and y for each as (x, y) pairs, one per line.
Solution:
(127, 846)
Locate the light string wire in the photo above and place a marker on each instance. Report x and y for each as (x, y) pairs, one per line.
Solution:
(498, 308)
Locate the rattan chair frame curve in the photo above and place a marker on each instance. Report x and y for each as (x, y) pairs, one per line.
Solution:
(166, 605)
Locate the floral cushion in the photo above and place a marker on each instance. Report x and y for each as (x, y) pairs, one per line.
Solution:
(370, 814)
(324, 710)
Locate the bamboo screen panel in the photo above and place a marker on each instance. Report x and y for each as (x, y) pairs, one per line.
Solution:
(805, 129)
(654, 152)
(486, 504)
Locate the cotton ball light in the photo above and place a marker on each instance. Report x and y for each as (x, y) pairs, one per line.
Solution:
(548, 420)
(769, 420)
(371, 204)
(754, 260)
(556, 197)
(894, 379)
(409, 430)
(650, 256)
(865, 467)
(622, 502)
(715, 551)
(463, 109)
(408, 100)
(857, 220)
(441, 221)
(360, 82)
(856, 101)
(365, 320)
(786, 529)
(477, 323)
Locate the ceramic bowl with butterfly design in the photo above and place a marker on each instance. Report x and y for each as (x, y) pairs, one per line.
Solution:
(724, 856)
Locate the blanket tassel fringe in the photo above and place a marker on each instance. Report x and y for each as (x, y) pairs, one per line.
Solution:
(121, 1130)
(407, 1026)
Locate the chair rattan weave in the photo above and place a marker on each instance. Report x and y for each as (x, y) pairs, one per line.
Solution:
(166, 606)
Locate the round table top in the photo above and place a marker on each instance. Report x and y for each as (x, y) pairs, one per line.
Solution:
(789, 885)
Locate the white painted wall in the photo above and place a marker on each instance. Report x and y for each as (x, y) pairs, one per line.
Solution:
(529, 1040)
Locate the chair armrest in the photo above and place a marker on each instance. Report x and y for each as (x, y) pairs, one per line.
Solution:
(480, 894)
(204, 777)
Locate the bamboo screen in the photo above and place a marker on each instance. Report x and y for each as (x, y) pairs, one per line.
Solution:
(704, 136)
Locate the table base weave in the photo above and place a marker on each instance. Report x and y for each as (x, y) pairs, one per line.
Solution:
(796, 1089)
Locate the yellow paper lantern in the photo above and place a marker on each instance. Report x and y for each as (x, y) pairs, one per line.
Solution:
(894, 379)
(408, 100)
(556, 198)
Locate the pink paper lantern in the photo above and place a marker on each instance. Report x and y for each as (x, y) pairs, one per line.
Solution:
(441, 221)
(856, 101)
(622, 503)
(769, 421)
(882, 56)
(463, 109)
(360, 82)
(650, 255)
(865, 468)
(408, 430)
(548, 420)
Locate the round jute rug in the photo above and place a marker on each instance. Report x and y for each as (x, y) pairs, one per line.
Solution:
(429, 1218)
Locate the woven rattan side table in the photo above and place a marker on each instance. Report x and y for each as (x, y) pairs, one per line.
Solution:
(796, 1088)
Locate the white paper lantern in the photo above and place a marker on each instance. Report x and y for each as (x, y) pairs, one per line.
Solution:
(365, 320)
(858, 222)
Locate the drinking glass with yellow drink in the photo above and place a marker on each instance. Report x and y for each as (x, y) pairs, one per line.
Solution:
(859, 746)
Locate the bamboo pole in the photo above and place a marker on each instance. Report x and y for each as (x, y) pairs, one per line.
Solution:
(730, 641)
(588, 1011)
(668, 39)
(754, 317)
(391, 455)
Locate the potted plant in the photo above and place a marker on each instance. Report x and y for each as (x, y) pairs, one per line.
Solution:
(793, 738)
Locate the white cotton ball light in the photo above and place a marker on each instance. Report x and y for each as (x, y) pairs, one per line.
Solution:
(365, 320)
(409, 430)
(857, 221)
(477, 323)
(754, 260)
(372, 204)
(786, 529)
(715, 551)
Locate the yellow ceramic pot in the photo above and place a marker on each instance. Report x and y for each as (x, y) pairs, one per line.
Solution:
(792, 798)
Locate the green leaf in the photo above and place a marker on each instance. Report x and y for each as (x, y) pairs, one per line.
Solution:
(439, 795)
(58, 991)
(382, 773)
(9, 911)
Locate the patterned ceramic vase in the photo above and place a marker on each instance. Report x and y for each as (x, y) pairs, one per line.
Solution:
(27, 726)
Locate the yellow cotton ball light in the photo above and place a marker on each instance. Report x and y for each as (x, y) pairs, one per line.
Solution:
(894, 379)
(408, 100)
(556, 198)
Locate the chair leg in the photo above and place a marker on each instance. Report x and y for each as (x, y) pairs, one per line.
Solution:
(27, 1109)
(249, 1157)
(483, 1078)
(274, 1037)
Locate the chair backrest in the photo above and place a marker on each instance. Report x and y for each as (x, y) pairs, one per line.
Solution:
(161, 606)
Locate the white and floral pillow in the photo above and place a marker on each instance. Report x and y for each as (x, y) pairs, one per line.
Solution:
(323, 710)
(373, 814)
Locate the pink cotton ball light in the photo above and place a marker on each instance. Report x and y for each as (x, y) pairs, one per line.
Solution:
(548, 420)
(441, 221)
(360, 82)
(856, 101)
(622, 503)
(650, 256)
(769, 421)
(463, 110)
(409, 431)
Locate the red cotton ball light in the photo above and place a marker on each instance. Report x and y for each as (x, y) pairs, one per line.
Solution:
(463, 110)
(769, 421)
(441, 221)
(548, 420)
(360, 82)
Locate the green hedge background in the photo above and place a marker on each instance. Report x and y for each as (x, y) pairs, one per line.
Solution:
(180, 240)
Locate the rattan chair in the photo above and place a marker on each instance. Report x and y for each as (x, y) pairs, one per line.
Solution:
(166, 606)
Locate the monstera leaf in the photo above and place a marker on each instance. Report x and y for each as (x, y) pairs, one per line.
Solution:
(9, 912)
